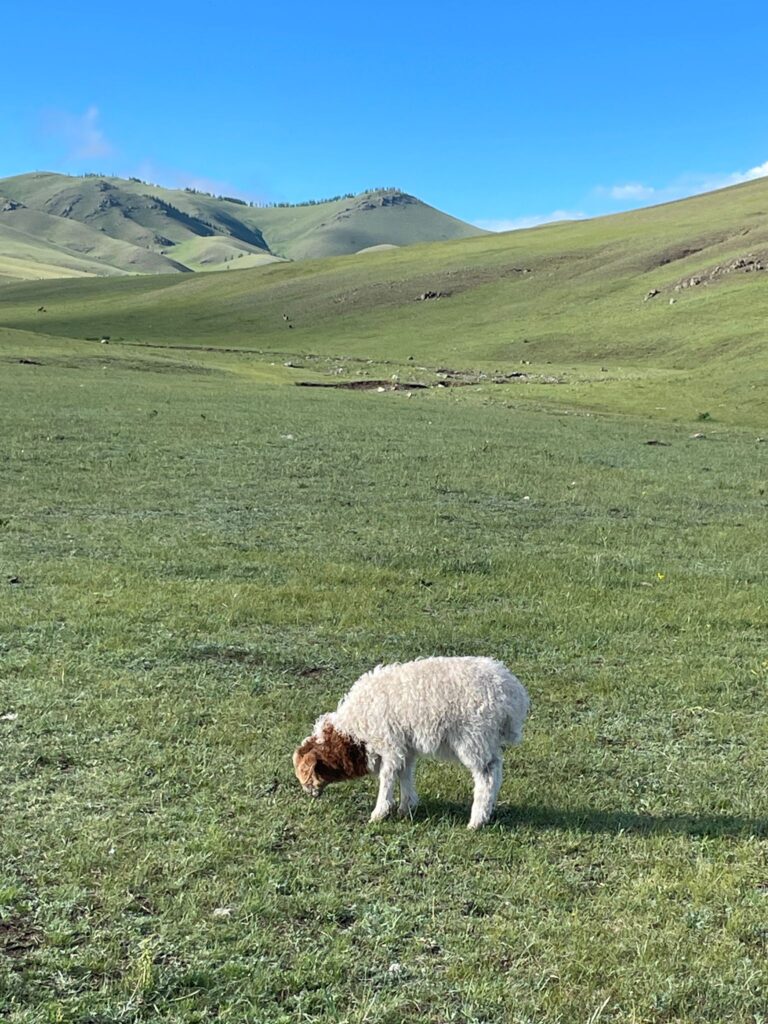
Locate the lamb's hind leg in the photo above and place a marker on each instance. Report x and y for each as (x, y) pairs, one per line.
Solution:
(409, 798)
(487, 785)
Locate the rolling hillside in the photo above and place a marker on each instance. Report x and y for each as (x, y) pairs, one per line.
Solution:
(662, 310)
(109, 227)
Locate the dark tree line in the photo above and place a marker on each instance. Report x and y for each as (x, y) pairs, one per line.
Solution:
(319, 202)
(257, 205)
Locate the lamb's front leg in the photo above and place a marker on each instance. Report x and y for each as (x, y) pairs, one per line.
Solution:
(386, 800)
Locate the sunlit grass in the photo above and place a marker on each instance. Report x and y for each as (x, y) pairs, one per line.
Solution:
(195, 564)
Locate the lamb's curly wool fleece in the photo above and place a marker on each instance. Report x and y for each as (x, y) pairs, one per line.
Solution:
(464, 709)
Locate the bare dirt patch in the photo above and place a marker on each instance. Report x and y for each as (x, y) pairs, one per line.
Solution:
(18, 937)
(225, 654)
(678, 253)
(446, 379)
(361, 385)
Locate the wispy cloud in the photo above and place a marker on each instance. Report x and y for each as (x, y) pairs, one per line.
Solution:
(633, 190)
(609, 198)
(735, 178)
(81, 133)
(689, 185)
(533, 221)
(174, 177)
(761, 171)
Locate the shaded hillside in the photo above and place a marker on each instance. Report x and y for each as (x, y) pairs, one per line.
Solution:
(76, 215)
(69, 243)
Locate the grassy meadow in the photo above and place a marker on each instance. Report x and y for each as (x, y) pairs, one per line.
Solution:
(197, 558)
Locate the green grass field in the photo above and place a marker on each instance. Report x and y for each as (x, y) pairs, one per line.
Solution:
(197, 558)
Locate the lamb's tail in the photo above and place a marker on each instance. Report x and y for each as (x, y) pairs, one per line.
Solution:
(518, 705)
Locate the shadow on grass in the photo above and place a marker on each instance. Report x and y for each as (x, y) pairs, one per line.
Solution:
(586, 819)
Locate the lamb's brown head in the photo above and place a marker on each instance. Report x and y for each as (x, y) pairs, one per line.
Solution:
(331, 756)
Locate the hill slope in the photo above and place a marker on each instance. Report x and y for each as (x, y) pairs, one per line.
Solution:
(626, 306)
(153, 225)
(346, 226)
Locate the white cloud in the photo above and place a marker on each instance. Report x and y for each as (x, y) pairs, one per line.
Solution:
(533, 221)
(761, 171)
(175, 177)
(632, 190)
(688, 185)
(629, 194)
(81, 133)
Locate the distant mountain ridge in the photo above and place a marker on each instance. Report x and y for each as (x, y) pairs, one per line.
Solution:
(55, 225)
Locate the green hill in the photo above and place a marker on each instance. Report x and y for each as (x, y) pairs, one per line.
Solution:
(626, 311)
(134, 227)
(71, 243)
(217, 252)
(348, 225)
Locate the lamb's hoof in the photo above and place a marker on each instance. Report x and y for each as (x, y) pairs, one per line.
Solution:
(380, 815)
(406, 810)
(475, 825)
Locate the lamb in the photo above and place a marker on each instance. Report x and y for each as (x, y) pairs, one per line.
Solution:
(462, 709)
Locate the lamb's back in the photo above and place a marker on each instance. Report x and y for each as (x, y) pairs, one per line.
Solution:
(421, 702)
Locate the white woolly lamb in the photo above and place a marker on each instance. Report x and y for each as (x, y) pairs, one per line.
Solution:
(463, 709)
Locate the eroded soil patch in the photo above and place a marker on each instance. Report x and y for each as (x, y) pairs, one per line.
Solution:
(447, 379)
(18, 937)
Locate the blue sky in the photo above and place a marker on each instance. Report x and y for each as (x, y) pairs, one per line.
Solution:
(500, 114)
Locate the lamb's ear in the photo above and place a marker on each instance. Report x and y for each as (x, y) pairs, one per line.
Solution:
(304, 765)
